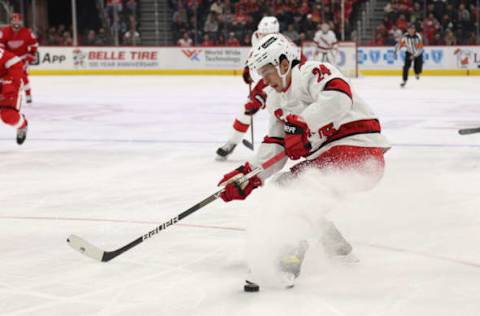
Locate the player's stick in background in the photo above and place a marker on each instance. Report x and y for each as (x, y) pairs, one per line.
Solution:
(98, 254)
(248, 144)
(467, 131)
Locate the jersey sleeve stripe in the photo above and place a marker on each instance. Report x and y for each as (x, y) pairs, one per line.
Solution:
(274, 140)
(12, 61)
(339, 85)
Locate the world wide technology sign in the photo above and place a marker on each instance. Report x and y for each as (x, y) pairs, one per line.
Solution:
(230, 58)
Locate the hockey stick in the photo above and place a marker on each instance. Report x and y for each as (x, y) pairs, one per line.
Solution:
(467, 131)
(245, 142)
(90, 250)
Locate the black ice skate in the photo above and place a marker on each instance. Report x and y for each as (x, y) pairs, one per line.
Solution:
(225, 151)
(417, 76)
(402, 85)
(22, 134)
(28, 98)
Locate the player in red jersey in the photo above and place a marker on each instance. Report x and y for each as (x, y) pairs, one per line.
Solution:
(11, 74)
(20, 41)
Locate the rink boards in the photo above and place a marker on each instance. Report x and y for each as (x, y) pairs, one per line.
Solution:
(371, 60)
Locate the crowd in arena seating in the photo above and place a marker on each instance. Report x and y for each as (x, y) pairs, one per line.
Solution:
(232, 22)
(440, 22)
(120, 17)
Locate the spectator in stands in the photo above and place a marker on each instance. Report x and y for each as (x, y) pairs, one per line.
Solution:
(247, 40)
(221, 40)
(292, 34)
(390, 40)
(430, 26)
(211, 26)
(450, 22)
(437, 40)
(450, 38)
(102, 38)
(52, 36)
(180, 21)
(132, 7)
(91, 38)
(446, 22)
(402, 22)
(207, 42)
(232, 41)
(131, 37)
(217, 7)
(67, 39)
(185, 41)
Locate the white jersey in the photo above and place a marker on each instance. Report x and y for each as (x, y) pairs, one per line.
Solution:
(326, 42)
(334, 113)
(255, 38)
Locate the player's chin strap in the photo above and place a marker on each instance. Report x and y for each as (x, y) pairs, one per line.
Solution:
(284, 76)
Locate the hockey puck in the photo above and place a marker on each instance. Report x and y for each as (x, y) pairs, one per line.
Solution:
(251, 287)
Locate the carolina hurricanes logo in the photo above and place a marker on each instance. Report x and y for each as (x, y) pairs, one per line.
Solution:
(192, 54)
(15, 44)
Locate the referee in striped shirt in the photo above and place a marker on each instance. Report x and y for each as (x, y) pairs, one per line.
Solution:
(412, 41)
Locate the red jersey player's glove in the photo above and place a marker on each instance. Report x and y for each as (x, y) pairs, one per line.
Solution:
(246, 75)
(29, 59)
(296, 137)
(256, 102)
(238, 191)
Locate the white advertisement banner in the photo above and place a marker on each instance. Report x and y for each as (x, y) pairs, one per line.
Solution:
(434, 57)
(228, 59)
(111, 58)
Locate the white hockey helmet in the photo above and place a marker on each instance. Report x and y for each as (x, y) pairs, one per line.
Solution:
(268, 25)
(270, 50)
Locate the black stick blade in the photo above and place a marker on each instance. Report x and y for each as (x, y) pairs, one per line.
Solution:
(467, 131)
(85, 248)
(247, 144)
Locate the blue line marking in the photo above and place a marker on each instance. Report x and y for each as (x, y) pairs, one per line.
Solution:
(173, 141)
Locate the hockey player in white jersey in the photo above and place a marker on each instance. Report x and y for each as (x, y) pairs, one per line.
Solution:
(316, 116)
(256, 98)
(327, 45)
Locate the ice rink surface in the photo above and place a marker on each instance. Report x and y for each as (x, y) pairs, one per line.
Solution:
(109, 158)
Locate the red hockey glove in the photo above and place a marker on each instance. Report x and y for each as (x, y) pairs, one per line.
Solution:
(256, 102)
(246, 75)
(296, 137)
(30, 58)
(233, 189)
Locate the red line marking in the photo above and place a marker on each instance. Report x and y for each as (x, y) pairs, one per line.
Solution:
(153, 222)
(110, 220)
